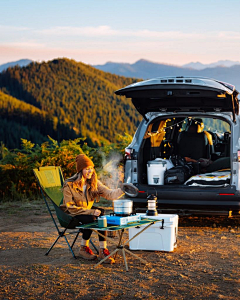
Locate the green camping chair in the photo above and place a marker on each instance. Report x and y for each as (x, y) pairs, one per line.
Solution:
(50, 180)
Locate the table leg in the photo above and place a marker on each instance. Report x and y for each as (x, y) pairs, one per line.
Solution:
(133, 254)
(125, 260)
(107, 238)
(122, 247)
(101, 261)
(138, 233)
(120, 234)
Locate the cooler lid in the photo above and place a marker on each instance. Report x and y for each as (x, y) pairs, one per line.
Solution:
(168, 218)
(157, 161)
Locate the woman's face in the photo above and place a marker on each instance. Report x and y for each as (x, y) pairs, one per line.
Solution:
(87, 172)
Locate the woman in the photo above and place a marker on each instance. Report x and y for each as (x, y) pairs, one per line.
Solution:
(79, 193)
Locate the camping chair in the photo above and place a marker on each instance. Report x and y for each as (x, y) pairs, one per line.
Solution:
(50, 180)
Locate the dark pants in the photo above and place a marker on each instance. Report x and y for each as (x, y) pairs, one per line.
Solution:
(85, 219)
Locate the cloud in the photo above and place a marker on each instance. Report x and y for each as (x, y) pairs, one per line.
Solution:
(229, 35)
(107, 31)
(24, 45)
(4, 28)
(76, 31)
(99, 44)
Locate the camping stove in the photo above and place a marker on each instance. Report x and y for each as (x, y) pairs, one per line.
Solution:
(114, 219)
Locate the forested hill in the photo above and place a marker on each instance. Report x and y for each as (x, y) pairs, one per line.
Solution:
(63, 99)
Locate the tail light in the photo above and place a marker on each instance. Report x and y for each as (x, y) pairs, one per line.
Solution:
(128, 153)
(238, 155)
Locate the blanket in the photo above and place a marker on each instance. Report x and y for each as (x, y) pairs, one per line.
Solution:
(214, 179)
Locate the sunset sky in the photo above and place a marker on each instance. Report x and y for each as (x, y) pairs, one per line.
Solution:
(97, 31)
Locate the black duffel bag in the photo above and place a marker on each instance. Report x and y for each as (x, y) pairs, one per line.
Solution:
(178, 174)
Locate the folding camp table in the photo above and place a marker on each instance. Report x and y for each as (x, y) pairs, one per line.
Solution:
(121, 228)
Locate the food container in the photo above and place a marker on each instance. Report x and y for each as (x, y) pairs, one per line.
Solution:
(155, 171)
(122, 207)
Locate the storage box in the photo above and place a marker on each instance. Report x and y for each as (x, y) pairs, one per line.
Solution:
(155, 238)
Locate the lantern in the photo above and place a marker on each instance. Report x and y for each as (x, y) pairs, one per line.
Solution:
(152, 205)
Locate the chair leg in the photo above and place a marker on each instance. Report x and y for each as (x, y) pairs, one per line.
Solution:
(52, 245)
(69, 247)
(94, 246)
(75, 239)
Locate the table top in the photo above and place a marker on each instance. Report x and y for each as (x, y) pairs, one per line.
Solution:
(95, 226)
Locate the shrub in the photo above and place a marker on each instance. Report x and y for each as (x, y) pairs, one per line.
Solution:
(16, 166)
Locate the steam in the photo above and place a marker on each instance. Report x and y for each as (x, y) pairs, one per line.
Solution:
(111, 173)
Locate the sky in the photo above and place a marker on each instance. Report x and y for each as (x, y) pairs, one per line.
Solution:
(98, 31)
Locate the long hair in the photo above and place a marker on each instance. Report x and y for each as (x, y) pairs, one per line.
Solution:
(92, 182)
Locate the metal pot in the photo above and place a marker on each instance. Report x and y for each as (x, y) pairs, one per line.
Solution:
(122, 207)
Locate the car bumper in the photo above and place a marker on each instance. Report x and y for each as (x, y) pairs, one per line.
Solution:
(224, 198)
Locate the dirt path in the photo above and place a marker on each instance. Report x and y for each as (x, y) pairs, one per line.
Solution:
(205, 264)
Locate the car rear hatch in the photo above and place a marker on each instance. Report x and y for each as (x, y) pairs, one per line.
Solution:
(173, 94)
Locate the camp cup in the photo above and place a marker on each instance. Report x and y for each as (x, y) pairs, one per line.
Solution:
(102, 221)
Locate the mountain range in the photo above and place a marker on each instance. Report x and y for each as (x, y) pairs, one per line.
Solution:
(227, 71)
(224, 70)
(67, 99)
(20, 63)
(220, 63)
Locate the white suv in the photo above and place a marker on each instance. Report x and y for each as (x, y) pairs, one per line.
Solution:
(190, 135)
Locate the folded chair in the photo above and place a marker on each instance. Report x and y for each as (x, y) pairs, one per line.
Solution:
(50, 180)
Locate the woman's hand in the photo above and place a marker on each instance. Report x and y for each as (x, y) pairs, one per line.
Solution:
(97, 212)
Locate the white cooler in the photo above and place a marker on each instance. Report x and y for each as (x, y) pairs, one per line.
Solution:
(155, 171)
(155, 238)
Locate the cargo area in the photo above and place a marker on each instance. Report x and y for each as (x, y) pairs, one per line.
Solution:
(206, 151)
(202, 144)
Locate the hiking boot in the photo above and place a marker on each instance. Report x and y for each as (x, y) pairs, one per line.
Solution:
(104, 253)
(86, 253)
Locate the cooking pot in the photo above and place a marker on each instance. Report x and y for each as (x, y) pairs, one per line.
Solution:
(122, 207)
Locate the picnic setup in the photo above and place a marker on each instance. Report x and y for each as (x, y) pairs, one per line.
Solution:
(147, 231)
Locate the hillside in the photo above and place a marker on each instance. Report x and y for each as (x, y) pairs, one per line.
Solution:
(146, 69)
(19, 119)
(77, 98)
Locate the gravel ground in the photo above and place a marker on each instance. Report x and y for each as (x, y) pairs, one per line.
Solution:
(205, 264)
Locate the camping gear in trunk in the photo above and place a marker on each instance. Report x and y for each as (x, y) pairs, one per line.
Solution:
(155, 171)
